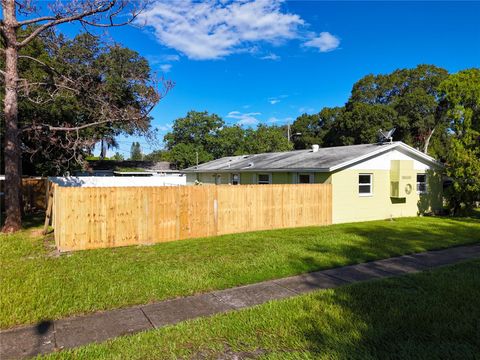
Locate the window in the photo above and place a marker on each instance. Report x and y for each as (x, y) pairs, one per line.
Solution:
(421, 183)
(305, 178)
(235, 179)
(218, 179)
(264, 179)
(365, 184)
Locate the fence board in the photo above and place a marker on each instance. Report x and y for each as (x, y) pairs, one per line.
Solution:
(89, 218)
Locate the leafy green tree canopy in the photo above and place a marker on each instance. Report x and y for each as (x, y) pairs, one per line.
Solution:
(206, 137)
(461, 96)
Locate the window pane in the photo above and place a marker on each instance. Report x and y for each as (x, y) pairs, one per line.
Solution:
(235, 179)
(421, 178)
(421, 182)
(364, 179)
(263, 179)
(364, 189)
(304, 179)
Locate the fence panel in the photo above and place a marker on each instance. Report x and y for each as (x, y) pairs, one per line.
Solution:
(89, 218)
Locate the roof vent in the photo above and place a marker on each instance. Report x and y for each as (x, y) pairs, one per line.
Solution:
(244, 156)
(315, 147)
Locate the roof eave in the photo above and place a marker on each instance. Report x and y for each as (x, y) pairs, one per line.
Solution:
(258, 170)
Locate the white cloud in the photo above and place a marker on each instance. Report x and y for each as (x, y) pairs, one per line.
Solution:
(214, 29)
(276, 99)
(171, 57)
(158, 59)
(271, 56)
(325, 42)
(275, 120)
(247, 119)
(164, 128)
(166, 67)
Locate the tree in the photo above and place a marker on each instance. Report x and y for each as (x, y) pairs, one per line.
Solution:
(197, 128)
(230, 141)
(157, 155)
(184, 155)
(85, 12)
(194, 135)
(136, 152)
(118, 157)
(413, 94)
(360, 124)
(313, 129)
(206, 137)
(266, 139)
(461, 98)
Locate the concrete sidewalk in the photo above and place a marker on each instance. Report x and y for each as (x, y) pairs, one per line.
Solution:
(67, 333)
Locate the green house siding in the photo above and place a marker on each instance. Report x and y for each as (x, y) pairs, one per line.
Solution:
(281, 178)
(247, 178)
(322, 178)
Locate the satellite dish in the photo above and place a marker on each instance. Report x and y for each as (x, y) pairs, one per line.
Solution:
(386, 135)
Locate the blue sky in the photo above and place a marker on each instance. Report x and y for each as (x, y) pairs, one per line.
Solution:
(266, 61)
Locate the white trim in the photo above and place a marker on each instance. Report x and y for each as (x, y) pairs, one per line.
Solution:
(365, 184)
(239, 178)
(426, 183)
(385, 148)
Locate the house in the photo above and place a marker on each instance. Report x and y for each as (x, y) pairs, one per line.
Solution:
(369, 181)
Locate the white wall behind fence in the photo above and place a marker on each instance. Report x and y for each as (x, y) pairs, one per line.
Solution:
(120, 181)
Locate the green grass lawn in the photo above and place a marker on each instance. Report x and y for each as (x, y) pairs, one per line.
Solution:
(36, 284)
(429, 315)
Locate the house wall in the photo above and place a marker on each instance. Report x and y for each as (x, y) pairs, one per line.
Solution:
(349, 206)
(248, 178)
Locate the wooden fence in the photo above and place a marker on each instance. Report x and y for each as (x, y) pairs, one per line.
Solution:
(88, 218)
(34, 194)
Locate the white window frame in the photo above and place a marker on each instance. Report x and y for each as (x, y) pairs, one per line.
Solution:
(424, 182)
(311, 178)
(365, 184)
(231, 178)
(264, 183)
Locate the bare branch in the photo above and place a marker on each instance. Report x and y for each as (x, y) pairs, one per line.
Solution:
(101, 8)
(40, 19)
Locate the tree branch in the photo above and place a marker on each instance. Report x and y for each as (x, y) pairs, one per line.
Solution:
(100, 9)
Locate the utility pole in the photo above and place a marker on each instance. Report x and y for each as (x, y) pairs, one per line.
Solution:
(288, 132)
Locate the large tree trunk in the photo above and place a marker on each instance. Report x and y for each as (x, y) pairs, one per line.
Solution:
(13, 220)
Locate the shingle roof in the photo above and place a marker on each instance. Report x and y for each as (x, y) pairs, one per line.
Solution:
(322, 160)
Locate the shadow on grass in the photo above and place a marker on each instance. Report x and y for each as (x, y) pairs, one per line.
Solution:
(385, 239)
(430, 315)
(29, 220)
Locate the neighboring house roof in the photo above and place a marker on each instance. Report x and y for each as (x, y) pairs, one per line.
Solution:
(322, 160)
